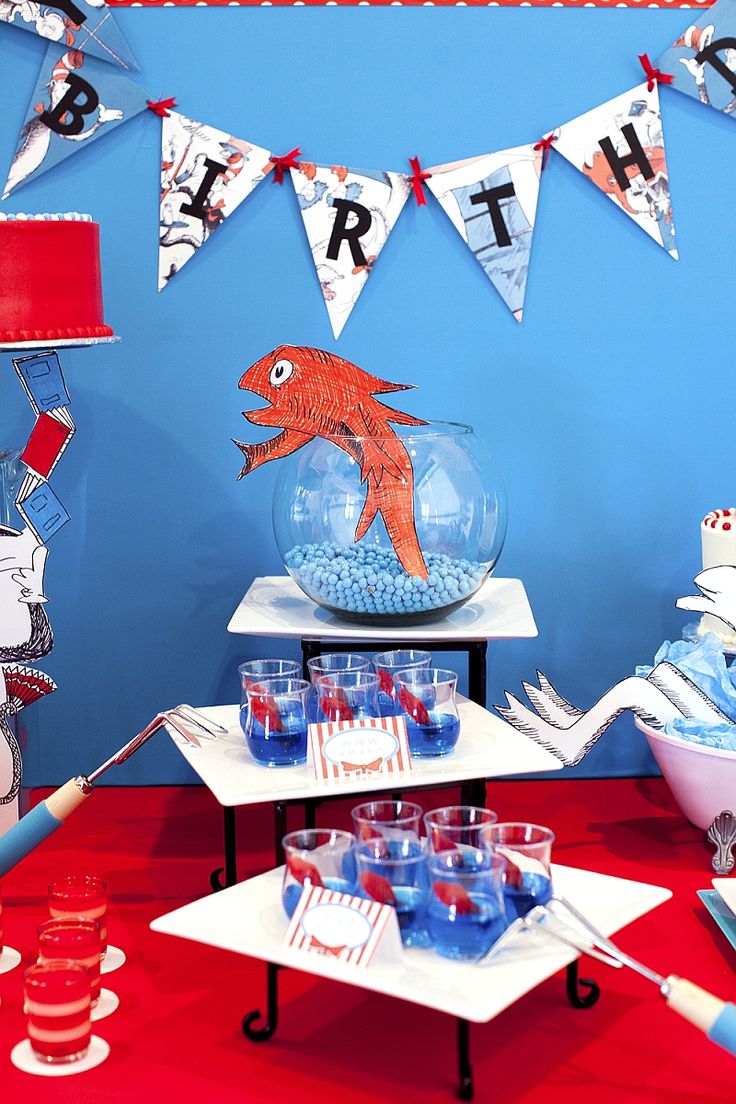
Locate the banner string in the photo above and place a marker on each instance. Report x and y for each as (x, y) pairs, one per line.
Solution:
(654, 75)
(417, 181)
(284, 164)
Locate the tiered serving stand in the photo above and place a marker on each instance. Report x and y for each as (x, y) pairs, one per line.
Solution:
(248, 918)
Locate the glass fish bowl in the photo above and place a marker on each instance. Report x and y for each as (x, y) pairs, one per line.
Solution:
(391, 531)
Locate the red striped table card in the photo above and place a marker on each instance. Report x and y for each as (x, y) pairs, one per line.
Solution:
(348, 929)
(372, 747)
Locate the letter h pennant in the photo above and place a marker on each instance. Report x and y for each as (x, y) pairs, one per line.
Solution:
(703, 59)
(619, 146)
(348, 215)
(77, 99)
(492, 202)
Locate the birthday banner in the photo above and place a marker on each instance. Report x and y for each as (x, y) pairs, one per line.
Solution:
(349, 213)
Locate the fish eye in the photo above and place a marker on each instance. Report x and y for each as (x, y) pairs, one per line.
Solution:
(280, 372)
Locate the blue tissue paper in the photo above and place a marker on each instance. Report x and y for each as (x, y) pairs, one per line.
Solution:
(721, 736)
(704, 664)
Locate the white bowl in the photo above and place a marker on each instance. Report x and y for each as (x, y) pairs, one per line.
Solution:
(702, 779)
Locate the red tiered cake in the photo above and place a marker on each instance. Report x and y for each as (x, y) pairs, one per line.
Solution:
(50, 285)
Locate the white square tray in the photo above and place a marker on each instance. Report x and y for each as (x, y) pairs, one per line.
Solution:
(275, 606)
(488, 748)
(249, 919)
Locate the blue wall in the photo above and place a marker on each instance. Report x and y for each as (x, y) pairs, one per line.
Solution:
(610, 409)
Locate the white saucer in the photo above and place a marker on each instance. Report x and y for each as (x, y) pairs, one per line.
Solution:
(9, 959)
(24, 1059)
(106, 1005)
(113, 960)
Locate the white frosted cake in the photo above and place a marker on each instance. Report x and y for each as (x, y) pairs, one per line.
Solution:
(718, 536)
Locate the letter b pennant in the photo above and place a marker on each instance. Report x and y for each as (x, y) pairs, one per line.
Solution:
(492, 202)
(348, 215)
(77, 99)
(619, 146)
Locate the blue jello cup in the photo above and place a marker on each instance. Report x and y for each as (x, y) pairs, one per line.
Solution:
(346, 696)
(255, 669)
(329, 664)
(465, 910)
(386, 664)
(393, 871)
(426, 697)
(527, 851)
(457, 827)
(321, 857)
(276, 728)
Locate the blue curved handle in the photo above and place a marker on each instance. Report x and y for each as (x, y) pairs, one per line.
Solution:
(723, 1030)
(21, 839)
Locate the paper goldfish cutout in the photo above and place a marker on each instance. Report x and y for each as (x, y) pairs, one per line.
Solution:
(316, 394)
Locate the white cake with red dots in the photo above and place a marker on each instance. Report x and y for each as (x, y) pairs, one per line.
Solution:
(718, 536)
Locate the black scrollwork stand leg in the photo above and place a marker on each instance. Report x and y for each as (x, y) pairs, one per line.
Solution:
(573, 983)
(264, 1033)
(464, 1067)
(231, 867)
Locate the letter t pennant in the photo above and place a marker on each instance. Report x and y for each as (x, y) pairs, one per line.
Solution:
(619, 146)
(348, 215)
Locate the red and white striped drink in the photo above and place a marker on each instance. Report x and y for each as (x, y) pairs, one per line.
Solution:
(76, 941)
(57, 1002)
(82, 896)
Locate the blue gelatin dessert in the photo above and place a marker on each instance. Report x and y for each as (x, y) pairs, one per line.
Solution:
(529, 890)
(270, 748)
(437, 738)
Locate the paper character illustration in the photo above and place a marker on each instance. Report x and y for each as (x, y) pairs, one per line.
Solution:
(348, 215)
(492, 202)
(43, 381)
(569, 733)
(19, 686)
(717, 586)
(205, 174)
(68, 109)
(703, 59)
(317, 394)
(619, 146)
(86, 25)
(25, 632)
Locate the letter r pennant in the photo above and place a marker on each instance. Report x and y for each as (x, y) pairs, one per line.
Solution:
(348, 215)
(77, 99)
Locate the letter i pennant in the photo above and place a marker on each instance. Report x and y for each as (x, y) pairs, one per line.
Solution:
(619, 146)
(205, 174)
(703, 60)
(77, 99)
(348, 215)
(492, 201)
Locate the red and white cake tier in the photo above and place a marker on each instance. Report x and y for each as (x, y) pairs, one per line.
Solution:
(50, 283)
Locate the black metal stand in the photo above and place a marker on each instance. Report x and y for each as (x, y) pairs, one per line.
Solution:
(231, 853)
(573, 983)
(264, 1033)
(464, 1067)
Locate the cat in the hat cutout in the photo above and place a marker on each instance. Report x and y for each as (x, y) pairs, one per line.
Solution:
(717, 586)
(317, 394)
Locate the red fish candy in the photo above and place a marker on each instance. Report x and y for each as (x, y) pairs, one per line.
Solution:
(414, 707)
(441, 842)
(304, 871)
(386, 683)
(265, 712)
(378, 887)
(454, 896)
(335, 708)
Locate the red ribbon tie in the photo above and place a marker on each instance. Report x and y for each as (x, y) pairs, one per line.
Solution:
(324, 948)
(417, 181)
(284, 164)
(160, 107)
(545, 144)
(653, 75)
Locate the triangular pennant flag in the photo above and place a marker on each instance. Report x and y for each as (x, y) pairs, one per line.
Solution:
(86, 25)
(619, 146)
(703, 59)
(348, 215)
(76, 100)
(205, 174)
(492, 201)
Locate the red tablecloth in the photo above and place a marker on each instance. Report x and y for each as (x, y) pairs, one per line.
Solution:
(176, 1035)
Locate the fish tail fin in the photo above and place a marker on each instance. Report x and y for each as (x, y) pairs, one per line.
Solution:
(397, 416)
(403, 537)
(247, 451)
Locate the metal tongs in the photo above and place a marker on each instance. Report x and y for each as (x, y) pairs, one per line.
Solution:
(560, 921)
